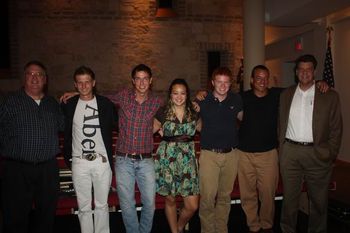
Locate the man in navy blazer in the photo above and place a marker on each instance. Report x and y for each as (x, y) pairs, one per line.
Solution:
(310, 131)
(89, 122)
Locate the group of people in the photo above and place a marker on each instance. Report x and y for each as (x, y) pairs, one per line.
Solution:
(239, 134)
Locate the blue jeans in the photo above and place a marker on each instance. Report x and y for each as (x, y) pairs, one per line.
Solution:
(127, 172)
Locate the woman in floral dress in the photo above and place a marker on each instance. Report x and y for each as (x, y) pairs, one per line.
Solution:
(175, 162)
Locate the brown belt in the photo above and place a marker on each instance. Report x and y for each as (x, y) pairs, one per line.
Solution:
(219, 150)
(135, 156)
(299, 143)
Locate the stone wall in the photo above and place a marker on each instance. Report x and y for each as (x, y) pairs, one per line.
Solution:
(112, 36)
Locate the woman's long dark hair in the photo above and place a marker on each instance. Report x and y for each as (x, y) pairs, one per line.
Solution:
(190, 114)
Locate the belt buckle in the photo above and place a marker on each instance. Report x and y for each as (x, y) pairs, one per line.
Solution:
(133, 156)
(91, 157)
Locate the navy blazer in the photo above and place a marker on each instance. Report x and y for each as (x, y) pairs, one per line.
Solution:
(108, 118)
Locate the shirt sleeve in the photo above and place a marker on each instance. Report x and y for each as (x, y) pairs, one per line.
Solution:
(59, 114)
(115, 98)
(2, 128)
(2, 113)
(160, 115)
(61, 121)
(278, 90)
(239, 103)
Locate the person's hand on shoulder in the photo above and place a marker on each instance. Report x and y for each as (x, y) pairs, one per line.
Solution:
(196, 106)
(67, 95)
(201, 95)
(322, 86)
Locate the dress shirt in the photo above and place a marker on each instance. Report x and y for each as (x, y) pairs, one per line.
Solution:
(300, 116)
(30, 130)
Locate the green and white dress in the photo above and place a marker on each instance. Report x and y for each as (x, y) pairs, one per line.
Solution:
(175, 162)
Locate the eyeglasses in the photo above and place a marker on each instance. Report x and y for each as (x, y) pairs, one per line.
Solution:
(35, 74)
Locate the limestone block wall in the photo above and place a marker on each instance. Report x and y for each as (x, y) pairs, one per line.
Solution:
(112, 36)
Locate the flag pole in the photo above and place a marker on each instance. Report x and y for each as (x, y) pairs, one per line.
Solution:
(329, 35)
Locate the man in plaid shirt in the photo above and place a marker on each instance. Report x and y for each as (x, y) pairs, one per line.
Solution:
(136, 108)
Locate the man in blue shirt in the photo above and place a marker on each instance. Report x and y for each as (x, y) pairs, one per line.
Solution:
(218, 160)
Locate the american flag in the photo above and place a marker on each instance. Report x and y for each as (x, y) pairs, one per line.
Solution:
(328, 75)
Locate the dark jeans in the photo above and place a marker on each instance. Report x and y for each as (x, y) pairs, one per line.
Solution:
(27, 186)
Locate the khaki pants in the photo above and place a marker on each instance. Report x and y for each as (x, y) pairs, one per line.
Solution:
(258, 178)
(217, 174)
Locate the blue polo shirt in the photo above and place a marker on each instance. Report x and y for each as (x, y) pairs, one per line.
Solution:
(219, 121)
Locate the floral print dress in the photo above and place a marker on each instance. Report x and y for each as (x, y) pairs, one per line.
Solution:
(175, 162)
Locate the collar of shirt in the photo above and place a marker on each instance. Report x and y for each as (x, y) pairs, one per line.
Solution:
(308, 92)
(22, 92)
(212, 97)
(149, 93)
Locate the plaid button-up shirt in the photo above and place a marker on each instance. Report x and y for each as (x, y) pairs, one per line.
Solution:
(28, 131)
(135, 121)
